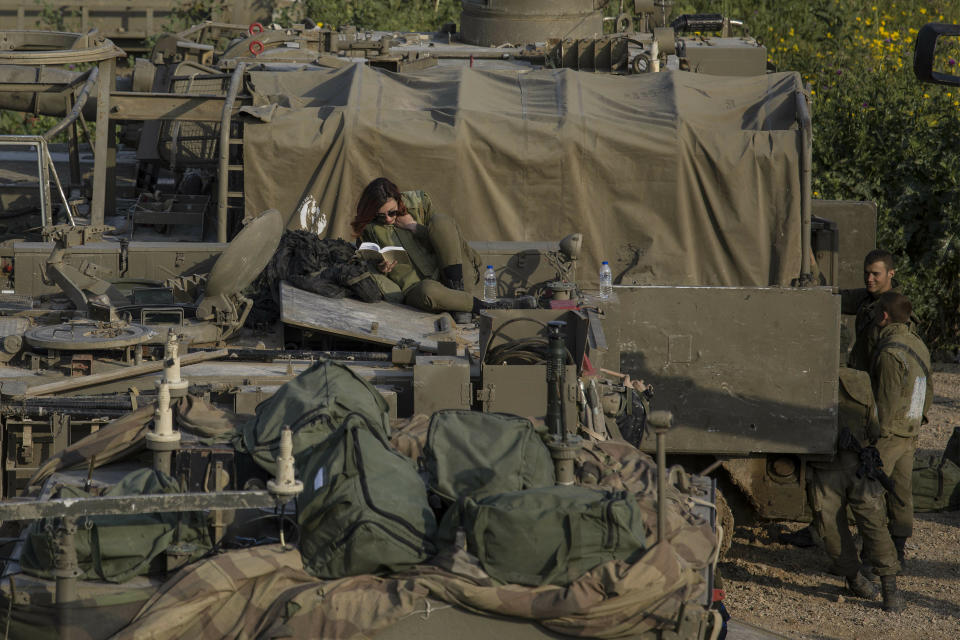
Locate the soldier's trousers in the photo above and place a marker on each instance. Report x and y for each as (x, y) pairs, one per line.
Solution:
(831, 489)
(897, 455)
(451, 249)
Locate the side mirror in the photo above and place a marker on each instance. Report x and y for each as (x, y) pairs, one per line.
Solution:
(936, 57)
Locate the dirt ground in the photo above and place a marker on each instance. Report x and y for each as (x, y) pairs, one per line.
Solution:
(788, 590)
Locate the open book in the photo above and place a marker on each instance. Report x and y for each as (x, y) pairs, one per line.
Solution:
(372, 251)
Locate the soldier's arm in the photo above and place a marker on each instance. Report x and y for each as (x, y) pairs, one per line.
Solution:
(887, 378)
(419, 205)
(873, 424)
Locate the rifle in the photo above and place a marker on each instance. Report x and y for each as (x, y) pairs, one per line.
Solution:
(871, 466)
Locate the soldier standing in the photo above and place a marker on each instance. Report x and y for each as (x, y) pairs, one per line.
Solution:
(878, 272)
(835, 485)
(900, 373)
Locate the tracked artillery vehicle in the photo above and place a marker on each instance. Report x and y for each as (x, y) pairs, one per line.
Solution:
(677, 155)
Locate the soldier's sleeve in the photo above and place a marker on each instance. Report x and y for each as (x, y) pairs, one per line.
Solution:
(873, 424)
(850, 300)
(427, 205)
(419, 205)
(887, 381)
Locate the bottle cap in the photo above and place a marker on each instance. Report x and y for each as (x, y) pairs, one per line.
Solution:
(605, 262)
(489, 266)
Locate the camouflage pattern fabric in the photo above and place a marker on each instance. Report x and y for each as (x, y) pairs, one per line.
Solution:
(123, 437)
(126, 436)
(409, 435)
(264, 591)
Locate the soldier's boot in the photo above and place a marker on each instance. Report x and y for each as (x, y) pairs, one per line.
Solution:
(452, 277)
(900, 542)
(892, 600)
(862, 587)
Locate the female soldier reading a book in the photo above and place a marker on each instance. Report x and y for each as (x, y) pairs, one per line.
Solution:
(438, 264)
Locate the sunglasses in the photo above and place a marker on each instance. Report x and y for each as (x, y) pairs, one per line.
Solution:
(388, 215)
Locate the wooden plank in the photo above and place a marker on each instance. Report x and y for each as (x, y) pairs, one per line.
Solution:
(121, 374)
(378, 322)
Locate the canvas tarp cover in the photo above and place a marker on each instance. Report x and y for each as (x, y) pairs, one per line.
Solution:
(675, 178)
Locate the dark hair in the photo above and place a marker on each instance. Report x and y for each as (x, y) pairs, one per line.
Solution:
(879, 255)
(374, 196)
(896, 305)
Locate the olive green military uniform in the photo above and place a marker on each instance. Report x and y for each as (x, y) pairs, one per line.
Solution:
(834, 486)
(435, 243)
(900, 374)
(863, 304)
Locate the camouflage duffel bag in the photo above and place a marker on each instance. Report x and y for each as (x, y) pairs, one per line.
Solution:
(550, 535)
(469, 453)
(364, 507)
(116, 548)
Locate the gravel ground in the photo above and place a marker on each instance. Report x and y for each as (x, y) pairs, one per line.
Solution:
(788, 590)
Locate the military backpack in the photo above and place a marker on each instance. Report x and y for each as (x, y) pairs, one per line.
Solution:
(364, 507)
(469, 453)
(313, 405)
(550, 535)
(116, 548)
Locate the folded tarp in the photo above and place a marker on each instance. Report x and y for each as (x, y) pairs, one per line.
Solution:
(675, 178)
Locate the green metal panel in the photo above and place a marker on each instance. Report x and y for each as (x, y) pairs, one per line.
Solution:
(857, 224)
(744, 370)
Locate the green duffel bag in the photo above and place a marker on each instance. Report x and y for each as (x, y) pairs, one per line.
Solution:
(551, 535)
(364, 506)
(469, 453)
(313, 405)
(936, 485)
(117, 548)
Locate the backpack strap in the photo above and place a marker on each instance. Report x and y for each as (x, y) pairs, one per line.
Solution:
(891, 344)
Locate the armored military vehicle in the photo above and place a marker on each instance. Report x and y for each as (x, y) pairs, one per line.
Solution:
(674, 153)
(680, 159)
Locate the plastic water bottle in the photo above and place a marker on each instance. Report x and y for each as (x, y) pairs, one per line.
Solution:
(606, 280)
(489, 285)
